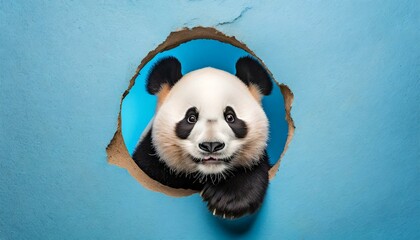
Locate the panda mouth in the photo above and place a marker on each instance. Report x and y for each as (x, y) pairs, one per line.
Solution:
(211, 160)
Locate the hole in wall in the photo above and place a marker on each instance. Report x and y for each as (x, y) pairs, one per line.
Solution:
(194, 48)
(138, 107)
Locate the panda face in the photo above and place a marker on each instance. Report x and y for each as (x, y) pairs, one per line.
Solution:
(209, 122)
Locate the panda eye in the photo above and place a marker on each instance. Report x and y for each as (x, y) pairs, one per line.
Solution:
(230, 118)
(192, 118)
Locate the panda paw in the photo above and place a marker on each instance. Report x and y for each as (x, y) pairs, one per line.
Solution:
(225, 203)
(237, 196)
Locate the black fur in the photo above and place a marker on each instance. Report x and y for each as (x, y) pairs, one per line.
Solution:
(166, 71)
(183, 128)
(238, 126)
(250, 71)
(147, 159)
(241, 193)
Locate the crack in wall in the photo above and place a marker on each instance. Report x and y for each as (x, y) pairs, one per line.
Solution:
(235, 19)
(191, 21)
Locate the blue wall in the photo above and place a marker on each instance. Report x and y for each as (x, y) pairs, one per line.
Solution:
(351, 171)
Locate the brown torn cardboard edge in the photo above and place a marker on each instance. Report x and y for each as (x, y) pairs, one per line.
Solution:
(117, 151)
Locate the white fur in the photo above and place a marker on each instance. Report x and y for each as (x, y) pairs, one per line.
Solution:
(210, 91)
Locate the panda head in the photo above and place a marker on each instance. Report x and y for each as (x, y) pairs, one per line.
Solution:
(209, 121)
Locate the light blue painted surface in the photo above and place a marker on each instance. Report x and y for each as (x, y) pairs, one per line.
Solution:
(351, 172)
(138, 106)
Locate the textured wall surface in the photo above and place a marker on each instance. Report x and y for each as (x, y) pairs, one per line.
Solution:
(351, 171)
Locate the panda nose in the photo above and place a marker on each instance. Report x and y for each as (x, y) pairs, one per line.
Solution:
(211, 147)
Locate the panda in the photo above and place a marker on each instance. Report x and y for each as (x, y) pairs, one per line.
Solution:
(209, 133)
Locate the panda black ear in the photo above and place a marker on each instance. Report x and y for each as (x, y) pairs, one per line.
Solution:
(250, 71)
(165, 71)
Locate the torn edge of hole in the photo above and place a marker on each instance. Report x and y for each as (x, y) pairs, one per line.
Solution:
(117, 151)
(288, 100)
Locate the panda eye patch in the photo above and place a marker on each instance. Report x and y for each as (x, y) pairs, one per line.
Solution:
(237, 125)
(185, 126)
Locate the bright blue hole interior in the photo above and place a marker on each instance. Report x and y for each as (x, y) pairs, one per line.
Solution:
(138, 106)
